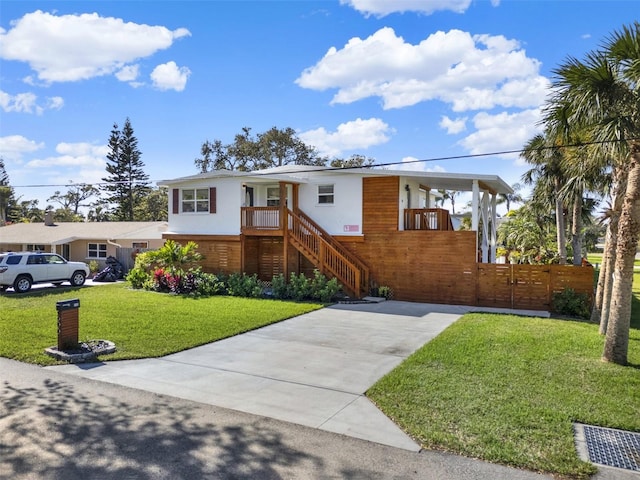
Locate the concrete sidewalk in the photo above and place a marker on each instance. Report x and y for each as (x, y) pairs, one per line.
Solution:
(311, 370)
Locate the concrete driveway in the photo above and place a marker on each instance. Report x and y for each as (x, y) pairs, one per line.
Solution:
(311, 370)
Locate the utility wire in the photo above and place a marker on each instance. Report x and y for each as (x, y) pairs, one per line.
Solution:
(389, 164)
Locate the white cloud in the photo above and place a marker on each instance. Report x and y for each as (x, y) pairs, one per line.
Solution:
(169, 76)
(28, 103)
(467, 71)
(503, 132)
(454, 126)
(381, 8)
(413, 164)
(82, 162)
(128, 73)
(353, 135)
(12, 147)
(69, 48)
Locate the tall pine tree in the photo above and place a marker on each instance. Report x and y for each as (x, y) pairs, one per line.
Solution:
(127, 184)
(7, 197)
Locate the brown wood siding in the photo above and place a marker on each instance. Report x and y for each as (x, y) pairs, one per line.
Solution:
(270, 257)
(422, 266)
(251, 255)
(221, 253)
(380, 207)
(175, 198)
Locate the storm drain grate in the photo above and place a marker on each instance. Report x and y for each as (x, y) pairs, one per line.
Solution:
(609, 447)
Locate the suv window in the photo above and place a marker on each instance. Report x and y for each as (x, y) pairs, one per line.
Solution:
(13, 259)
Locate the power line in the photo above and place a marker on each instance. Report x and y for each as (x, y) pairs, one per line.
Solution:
(389, 164)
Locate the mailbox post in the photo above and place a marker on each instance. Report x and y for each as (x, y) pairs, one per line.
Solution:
(68, 324)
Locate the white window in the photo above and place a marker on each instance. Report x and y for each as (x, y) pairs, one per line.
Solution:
(35, 248)
(195, 200)
(97, 250)
(273, 196)
(325, 194)
(139, 244)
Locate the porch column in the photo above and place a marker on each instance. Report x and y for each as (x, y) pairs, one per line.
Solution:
(484, 213)
(284, 225)
(493, 239)
(475, 206)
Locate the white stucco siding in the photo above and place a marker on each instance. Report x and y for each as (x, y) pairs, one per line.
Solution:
(344, 216)
(226, 220)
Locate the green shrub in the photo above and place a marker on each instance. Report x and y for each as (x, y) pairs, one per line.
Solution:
(323, 289)
(385, 292)
(299, 287)
(243, 285)
(138, 277)
(570, 303)
(208, 284)
(279, 287)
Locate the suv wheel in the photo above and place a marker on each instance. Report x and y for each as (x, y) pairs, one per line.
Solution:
(22, 284)
(77, 279)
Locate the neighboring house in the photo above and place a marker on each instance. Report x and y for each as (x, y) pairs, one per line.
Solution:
(84, 241)
(367, 227)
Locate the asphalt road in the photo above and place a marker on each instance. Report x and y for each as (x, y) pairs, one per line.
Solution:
(57, 426)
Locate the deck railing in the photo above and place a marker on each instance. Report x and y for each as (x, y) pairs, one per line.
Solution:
(427, 219)
(260, 218)
(324, 251)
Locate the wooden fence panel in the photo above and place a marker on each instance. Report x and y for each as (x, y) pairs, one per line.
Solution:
(495, 285)
(531, 287)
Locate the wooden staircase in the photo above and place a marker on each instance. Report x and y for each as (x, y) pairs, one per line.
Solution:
(327, 254)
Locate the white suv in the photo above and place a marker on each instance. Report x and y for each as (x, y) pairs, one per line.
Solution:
(22, 269)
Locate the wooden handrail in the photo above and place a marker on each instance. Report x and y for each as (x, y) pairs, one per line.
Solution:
(338, 246)
(313, 242)
(427, 219)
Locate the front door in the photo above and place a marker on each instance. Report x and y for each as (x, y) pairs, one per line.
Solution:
(248, 200)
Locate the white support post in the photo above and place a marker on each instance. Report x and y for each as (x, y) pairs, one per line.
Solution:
(494, 237)
(475, 206)
(485, 227)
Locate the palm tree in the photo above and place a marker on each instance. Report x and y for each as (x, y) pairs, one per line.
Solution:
(603, 99)
(509, 198)
(548, 176)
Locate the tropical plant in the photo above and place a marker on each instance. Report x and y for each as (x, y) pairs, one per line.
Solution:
(602, 100)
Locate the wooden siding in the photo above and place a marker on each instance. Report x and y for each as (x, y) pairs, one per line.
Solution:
(380, 207)
(440, 267)
(222, 254)
(419, 266)
(422, 266)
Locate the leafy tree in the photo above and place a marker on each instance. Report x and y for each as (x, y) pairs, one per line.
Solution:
(99, 212)
(74, 198)
(7, 197)
(154, 207)
(27, 211)
(127, 184)
(354, 161)
(66, 215)
(273, 148)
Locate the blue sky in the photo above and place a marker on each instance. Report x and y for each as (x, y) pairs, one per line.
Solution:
(396, 80)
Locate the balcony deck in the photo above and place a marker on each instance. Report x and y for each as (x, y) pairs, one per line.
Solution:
(427, 219)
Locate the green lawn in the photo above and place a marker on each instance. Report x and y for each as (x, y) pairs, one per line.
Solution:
(507, 389)
(142, 324)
